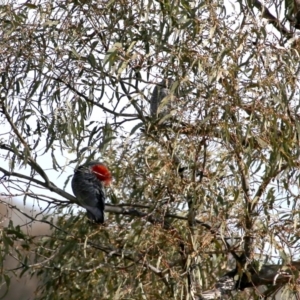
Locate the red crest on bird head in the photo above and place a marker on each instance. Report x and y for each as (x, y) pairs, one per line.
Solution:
(101, 172)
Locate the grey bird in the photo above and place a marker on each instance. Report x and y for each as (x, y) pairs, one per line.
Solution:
(88, 185)
(161, 90)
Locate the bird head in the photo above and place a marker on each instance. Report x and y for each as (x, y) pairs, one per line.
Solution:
(101, 172)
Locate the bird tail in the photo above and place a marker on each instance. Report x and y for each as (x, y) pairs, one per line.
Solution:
(95, 214)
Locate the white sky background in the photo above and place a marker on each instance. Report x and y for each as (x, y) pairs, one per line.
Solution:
(59, 178)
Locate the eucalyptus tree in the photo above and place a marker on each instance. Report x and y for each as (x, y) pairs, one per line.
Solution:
(204, 201)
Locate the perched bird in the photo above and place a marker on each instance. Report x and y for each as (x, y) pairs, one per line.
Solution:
(161, 90)
(88, 185)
